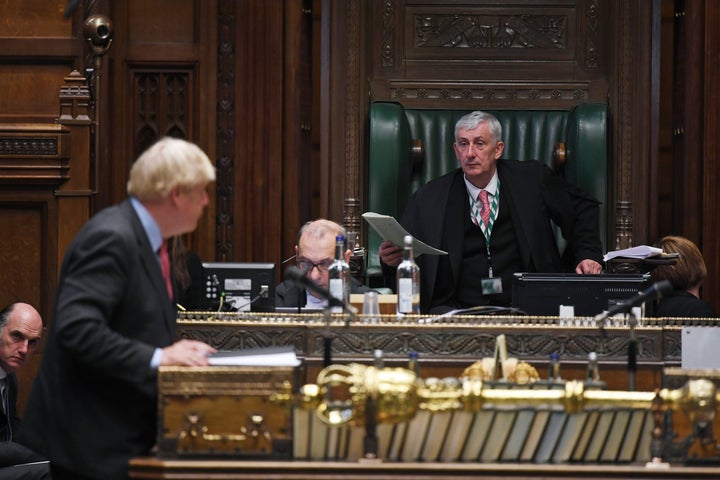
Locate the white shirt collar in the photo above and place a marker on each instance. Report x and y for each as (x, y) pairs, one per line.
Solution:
(149, 224)
(491, 187)
(314, 302)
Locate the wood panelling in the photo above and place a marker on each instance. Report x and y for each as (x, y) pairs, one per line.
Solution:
(164, 21)
(300, 175)
(30, 92)
(530, 52)
(34, 18)
(160, 80)
(28, 246)
(40, 157)
(711, 151)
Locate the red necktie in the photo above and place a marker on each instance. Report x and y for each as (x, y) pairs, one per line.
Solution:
(485, 212)
(165, 267)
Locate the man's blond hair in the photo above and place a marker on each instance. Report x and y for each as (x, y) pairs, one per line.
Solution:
(168, 164)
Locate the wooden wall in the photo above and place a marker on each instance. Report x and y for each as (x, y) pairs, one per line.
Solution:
(277, 92)
(44, 155)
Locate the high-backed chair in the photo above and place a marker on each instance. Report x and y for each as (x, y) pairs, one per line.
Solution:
(574, 141)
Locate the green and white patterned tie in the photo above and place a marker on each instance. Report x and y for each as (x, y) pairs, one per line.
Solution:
(483, 212)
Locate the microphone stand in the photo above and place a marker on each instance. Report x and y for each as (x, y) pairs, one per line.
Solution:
(327, 339)
(632, 351)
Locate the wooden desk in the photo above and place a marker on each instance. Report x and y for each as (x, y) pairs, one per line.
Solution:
(152, 468)
(446, 347)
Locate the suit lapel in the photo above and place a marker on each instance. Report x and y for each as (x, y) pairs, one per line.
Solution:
(457, 208)
(519, 214)
(151, 266)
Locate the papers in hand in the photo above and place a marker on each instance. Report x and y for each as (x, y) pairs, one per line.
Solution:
(389, 229)
(641, 251)
(257, 357)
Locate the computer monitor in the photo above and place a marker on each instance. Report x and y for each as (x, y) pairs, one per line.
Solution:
(543, 293)
(239, 287)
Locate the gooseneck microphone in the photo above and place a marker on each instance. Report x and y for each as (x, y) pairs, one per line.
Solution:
(656, 290)
(300, 278)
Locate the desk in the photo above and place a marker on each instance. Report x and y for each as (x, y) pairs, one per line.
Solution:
(446, 347)
(152, 468)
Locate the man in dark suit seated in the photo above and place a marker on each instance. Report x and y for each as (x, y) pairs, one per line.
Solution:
(493, 217)
(20, 330)
(93, 404)
(314, 252)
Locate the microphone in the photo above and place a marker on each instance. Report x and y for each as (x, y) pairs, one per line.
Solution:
(300, 278)
(656, 290)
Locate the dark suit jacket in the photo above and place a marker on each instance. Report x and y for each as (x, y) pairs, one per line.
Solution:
(93, 405)
(535, 196)
(287, 294)
(12, 387)
(680, 303)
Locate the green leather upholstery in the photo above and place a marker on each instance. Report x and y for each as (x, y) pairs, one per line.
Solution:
(528, 134)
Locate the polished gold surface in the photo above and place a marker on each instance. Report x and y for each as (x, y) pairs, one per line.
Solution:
(398, 395)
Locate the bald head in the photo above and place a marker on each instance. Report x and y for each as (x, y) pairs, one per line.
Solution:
(20, 330)
(315, 249)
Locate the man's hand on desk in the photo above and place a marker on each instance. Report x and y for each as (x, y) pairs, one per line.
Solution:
(390, 254)
(188, 353)
(588, 266)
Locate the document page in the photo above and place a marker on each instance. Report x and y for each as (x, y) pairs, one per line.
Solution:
(641, 251)
(390, 229)
(259, 357)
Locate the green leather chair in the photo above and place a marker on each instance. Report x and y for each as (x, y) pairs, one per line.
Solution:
(573, 140)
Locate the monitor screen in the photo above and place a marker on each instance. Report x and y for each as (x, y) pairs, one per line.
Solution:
(589, 295)
(239, 287)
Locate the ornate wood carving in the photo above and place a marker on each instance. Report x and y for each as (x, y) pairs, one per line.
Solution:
(353, 112)
(74, 100)
(34, 154)
(388, 35)
(162, 103)
(225, 129)
(548, 94)
(592, 36)
(528, 339)
(633, 148)
(490, 31)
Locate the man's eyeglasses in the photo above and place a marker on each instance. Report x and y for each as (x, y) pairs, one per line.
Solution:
(307, 266)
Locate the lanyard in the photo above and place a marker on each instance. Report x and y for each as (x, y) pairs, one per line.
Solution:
(477, 219)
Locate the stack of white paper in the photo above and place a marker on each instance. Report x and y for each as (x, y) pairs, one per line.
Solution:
(641, 251)
(257, 357)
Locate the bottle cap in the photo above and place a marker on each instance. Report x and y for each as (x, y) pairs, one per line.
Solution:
(592, 356)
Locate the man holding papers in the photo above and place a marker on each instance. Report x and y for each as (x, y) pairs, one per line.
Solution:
(493, 218)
